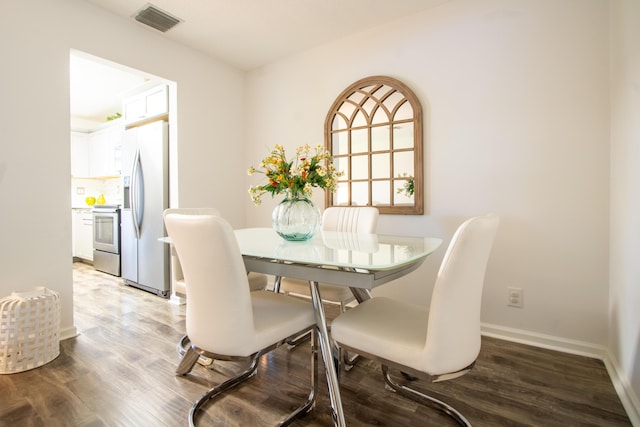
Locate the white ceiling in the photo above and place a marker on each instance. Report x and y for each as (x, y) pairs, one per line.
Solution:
(96, 88)
(251, 33)
(243, 33)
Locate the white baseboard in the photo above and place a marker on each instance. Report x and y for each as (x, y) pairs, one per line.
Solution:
(627, 396)
(177, 300)
(550, 342)
(70, 332)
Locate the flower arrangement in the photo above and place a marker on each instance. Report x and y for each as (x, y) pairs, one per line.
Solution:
(408, 187)
(295, 177)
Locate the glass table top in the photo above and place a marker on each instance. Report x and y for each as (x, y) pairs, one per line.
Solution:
(339, 249)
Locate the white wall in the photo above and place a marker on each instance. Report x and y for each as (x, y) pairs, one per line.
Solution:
(624, 303)
(516, 104)
(515, 95)
(35, 216)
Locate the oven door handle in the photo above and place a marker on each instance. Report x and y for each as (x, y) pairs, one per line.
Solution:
(134, 196)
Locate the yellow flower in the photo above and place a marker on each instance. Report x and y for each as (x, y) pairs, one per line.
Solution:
(296, 177)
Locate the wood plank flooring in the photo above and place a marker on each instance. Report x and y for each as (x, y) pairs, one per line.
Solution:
(120, 372)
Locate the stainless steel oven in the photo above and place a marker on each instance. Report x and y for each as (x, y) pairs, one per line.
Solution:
(106, 239)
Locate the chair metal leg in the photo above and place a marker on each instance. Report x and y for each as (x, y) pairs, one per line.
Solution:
(183, 346)
(293, 343)
(188, 361)
(230, 383)
(276, 284)
(311, 400)
(423, 398)
(349, 362)
(360, 295)
(251, 371)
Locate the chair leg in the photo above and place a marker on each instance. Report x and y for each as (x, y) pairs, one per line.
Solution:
(292, 343)
(423, 398)
(188, 361)
(311, 400)
(276, 284)
(348, 362)
(183, 346)
(230, 383)
(251, 371)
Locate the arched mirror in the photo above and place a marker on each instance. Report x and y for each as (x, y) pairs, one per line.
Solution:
(374, 132)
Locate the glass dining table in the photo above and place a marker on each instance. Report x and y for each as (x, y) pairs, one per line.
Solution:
(358, 261)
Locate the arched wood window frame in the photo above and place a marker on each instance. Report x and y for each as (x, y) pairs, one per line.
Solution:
(374, 109)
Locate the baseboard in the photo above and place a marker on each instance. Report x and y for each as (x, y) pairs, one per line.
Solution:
(70, 332)
(176, 299)
(627, 396)
(550, 342)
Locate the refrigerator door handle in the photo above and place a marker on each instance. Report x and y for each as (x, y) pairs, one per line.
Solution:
(134, 196)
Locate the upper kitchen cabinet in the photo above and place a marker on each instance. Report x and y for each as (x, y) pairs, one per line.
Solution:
(80, 154)
(97, 154)
(105, 151)
(149, 104)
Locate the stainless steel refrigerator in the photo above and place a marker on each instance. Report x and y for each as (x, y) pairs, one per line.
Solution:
(145, 182)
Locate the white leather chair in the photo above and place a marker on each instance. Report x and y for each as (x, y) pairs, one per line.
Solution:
(257, 281)
(437, 343)
(352, 219)
(224, 319)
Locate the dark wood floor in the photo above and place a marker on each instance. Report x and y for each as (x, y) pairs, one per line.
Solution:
(120, 372)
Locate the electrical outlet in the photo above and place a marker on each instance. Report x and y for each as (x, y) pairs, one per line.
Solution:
(514, 297)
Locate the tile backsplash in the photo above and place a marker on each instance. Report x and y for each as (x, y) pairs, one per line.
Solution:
(84, 187)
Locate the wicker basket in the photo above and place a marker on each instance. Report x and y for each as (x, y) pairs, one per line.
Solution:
(29, 330)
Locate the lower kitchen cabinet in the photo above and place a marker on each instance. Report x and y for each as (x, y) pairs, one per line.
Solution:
(83, 234)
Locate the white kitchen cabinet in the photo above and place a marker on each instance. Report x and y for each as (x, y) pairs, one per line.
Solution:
(99, 154)
(104, 148)
(82, 229)
(80, 154)
(146, 105)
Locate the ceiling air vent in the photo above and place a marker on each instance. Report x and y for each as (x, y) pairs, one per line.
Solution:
(156, 18)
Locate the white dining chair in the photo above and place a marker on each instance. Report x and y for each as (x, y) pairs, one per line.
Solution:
(436, 343)
(350, 219)
(257, 281)
(224, 320)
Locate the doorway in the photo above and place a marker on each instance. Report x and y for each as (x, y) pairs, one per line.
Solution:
(98, 88)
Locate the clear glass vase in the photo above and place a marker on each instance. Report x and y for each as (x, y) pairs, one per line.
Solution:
(296, 218)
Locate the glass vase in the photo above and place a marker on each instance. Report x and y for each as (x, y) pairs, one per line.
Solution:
(296, 218)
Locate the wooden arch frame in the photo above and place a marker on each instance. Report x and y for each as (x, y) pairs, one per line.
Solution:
(374, 132)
